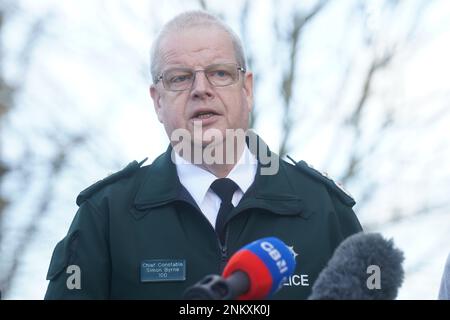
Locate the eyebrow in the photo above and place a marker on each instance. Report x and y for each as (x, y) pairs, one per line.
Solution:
(193, 68)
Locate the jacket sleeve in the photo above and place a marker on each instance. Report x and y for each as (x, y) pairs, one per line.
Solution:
(80, 264)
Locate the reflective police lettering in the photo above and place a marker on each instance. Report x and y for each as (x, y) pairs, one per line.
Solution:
(298, 280)
(275, 255)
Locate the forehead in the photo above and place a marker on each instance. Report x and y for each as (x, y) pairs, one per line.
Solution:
(197, 46)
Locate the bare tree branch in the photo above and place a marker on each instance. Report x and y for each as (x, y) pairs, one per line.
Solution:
(376, 66)
(243, 24)
(300, 20)
(203, 4)
(57, 165)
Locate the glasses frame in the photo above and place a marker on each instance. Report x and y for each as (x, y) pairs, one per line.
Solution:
(238, 67)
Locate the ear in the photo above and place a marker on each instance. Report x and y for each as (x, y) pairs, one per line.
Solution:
(156, 97)
(248, 90)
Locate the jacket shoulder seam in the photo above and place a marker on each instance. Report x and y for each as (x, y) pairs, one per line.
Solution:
(337, 189)
(128, 171)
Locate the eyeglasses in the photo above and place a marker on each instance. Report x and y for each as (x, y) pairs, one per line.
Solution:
(218, 75)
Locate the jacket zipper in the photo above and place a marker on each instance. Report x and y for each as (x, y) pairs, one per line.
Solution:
(223, 251)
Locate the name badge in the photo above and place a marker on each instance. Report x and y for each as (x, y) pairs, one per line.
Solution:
(163, 270)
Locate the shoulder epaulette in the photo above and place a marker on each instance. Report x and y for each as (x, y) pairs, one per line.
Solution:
(131, 168)
(337, 188)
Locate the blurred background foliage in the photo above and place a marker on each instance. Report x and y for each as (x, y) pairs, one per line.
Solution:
(357, 88)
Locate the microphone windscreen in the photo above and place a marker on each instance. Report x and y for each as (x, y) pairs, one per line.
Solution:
(268, 263)
(351, 273)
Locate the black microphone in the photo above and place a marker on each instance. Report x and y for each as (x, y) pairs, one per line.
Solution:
(364, 266)
(215, 287)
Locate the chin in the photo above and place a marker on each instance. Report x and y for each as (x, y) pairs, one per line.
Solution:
(210, 143)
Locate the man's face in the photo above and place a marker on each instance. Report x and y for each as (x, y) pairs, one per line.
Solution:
(228, 106)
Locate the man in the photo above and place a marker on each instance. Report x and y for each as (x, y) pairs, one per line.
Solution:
(151, 232)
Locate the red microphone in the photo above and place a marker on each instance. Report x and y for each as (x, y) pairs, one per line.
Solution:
(256, 271)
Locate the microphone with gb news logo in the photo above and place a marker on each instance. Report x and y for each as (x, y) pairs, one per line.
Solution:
(256, 271)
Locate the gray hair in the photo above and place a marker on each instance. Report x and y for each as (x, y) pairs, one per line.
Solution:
(191, 19)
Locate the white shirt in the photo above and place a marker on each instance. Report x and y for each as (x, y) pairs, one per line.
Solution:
(197, 182)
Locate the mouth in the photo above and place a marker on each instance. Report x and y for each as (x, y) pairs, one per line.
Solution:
(204, 114)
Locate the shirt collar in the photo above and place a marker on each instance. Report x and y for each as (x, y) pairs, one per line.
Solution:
(197, 180)
(160, 185)
(243, 173)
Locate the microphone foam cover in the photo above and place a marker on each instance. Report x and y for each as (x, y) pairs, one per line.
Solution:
(347, 273)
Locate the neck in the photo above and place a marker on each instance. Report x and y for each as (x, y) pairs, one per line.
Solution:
(214, 158)
(219, 170)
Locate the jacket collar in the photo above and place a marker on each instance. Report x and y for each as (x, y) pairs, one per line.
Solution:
(161, 186)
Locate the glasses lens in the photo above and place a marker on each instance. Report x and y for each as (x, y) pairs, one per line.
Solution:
(178, 79)
(221, 75)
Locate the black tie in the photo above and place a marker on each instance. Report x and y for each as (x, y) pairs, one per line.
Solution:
(225, 189)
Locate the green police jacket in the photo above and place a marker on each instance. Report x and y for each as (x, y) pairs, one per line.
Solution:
(138, 234)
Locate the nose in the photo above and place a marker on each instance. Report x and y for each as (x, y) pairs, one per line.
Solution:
(201, 88)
